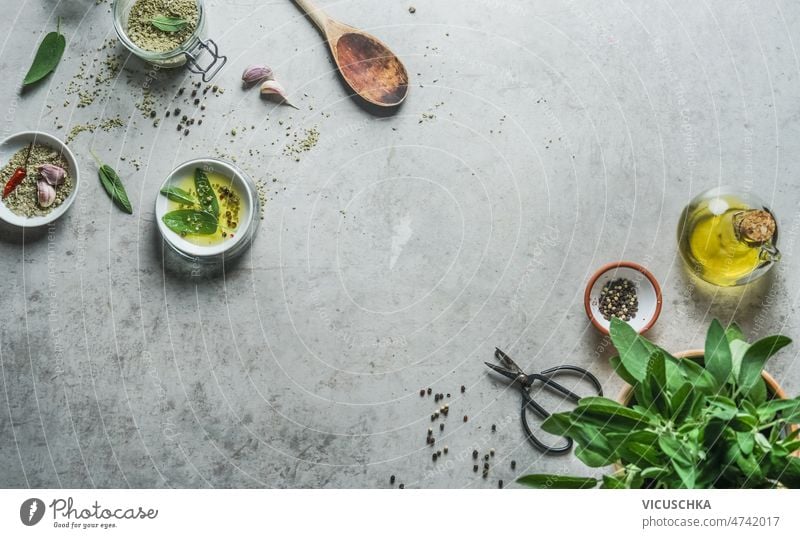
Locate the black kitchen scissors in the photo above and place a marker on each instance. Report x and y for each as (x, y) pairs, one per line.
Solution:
(525, 382)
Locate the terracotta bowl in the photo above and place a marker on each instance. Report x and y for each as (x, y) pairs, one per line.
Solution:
(647, 290)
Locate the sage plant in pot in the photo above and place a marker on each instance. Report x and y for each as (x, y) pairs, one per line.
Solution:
(707, 422)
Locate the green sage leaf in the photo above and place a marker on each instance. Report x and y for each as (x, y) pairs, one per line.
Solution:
(176, 194)
(551, 481)
(114, 187)
(756, 356)
(190, 221)
(718, 353)
(47, 57)
(169, 24)
(205, 193)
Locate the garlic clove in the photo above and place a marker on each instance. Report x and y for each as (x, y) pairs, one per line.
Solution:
(272, 87)
(53, 174)
(46, 193)
(256, 73)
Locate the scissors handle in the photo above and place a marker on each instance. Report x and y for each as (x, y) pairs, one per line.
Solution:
(527, 401)
(546, 378)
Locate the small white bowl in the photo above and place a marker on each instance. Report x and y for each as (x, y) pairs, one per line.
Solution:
(249, 216)
(22, 140)
(648, 293)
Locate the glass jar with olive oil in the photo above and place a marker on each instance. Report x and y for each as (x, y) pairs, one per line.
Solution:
(728, 237)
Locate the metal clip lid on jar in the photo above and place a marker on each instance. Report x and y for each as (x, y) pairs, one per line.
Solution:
(188, 53)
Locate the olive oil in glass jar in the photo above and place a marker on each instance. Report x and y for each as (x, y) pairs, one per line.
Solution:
(727, 237)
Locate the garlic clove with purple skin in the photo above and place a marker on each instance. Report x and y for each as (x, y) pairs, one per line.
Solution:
(272, 87)
(256, 73)
(46, 193)
(53, 174)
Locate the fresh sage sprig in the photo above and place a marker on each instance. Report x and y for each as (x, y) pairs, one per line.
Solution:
(689, 424)
(47, 56)
(203, 218)
(113, 186)
(169, 24)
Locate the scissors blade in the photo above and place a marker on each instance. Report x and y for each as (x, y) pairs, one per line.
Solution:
(502, 371)
(505, 359)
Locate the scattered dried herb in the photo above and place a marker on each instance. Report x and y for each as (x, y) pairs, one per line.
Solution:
(113, 186)
(47, 57)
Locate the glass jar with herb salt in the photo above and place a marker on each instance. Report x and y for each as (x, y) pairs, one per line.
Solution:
(168, 33)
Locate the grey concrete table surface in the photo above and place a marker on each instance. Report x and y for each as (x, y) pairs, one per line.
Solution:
(539, 141)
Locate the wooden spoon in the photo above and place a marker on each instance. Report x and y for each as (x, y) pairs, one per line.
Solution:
(365, 62)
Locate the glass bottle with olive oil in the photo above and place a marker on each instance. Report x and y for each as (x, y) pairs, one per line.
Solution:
(728, 238)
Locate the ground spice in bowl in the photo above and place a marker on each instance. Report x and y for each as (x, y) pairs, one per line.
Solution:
(24, 200)
(146, 36)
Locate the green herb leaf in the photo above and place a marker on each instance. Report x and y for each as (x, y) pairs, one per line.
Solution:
(47, 57)
(190, 221)
(205, 193)
(169, 24)
(113, 186)
(176, 194)
(718, 353)
(755, 357)
(551, 481)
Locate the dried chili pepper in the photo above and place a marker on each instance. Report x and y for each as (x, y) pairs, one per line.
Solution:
(18, 175)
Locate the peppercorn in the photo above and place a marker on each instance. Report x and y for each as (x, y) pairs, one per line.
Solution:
(500, 484)
(168, 113)
(474, 468)
(180, 91)
(430, 431)
(177, 111)
(422, 392)
(445, 449)
(433, 417)
(491, 452)
(475, 454)
(463, 389)
(391, 479)
(186, 132)
(429, 391)
(434, 456)
(441, 427)
(402, 486)
(486, 466)
(513, 464)
(465, 418)
(448, 394)
(152, 113)
(494, 427)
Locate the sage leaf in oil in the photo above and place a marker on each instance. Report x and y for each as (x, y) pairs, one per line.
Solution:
(169, 24)
(113, 186)
(205, 193)
(176, 194)
(190, 221)
(47, 56)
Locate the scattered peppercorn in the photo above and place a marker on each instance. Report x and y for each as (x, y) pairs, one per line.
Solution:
(422, 392)
(491, 452)
(402, 486)
(463, 389)
(391, 479)
(429, 391)
(441, 427)
(434, 456)
(500, 484)
(445, 449)
(494, 427)
(475, 468)
(486, 458)
(513, 464)
(465, 418)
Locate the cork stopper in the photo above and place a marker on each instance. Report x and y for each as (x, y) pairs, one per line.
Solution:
(755, 226)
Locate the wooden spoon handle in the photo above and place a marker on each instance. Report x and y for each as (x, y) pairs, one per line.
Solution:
(319, 17)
